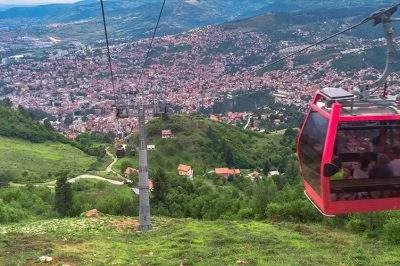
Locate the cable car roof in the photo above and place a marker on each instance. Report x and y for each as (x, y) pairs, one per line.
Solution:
(352, 105)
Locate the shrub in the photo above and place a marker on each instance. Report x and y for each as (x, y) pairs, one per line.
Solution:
(63, 196)
(297, 210)
(11, 214)
(371, 223)
(391, 231)
(356, 224)
(246, 213)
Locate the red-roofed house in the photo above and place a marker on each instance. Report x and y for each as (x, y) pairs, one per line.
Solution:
(185, 170)
(226, 172)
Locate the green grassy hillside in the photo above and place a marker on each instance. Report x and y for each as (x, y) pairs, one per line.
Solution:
(32, 152)
(19, 124)
(113, 241)
(205, 144)
(36, 162)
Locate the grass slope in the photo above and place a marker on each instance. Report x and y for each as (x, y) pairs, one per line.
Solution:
(204, 144)
(107, 241)
(19, 124)
(35, 162)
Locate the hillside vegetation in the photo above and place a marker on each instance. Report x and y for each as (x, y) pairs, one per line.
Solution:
(24, 161)
(114, 241)
(34, 152)
(18, 124)
(205, 144)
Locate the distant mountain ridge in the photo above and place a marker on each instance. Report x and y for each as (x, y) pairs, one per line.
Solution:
(135, 19)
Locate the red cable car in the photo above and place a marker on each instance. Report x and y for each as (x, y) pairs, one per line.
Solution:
(347, 149)
(349, 144)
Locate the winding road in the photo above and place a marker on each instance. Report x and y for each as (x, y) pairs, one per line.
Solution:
(51, 184)
(248, 122)
(115, 159)
(114, 182)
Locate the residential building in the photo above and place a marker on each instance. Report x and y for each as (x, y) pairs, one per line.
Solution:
(185, 170)
(166, 134)
(226, 172)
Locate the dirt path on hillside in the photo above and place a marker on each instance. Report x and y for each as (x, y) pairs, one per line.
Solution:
(114, 182)
(51, 184)
(115, 159)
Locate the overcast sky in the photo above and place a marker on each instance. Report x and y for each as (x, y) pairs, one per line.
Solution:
(32, 2)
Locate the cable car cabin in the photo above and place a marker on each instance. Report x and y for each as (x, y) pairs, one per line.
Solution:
(349, 153)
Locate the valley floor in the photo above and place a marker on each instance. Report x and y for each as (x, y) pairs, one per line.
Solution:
(113, 241)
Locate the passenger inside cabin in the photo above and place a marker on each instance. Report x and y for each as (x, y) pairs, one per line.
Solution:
(395, 163)
(362, 168)
(382, 168)
(379, 142)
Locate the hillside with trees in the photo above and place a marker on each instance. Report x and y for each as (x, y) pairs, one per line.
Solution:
(34, 152)
(206, 144)
(237, 211)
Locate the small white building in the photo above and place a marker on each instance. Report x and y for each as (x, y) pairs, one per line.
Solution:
(167, 134)
(151, 147)
(273, 173)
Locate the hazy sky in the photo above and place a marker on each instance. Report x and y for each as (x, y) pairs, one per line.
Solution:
(30, 2)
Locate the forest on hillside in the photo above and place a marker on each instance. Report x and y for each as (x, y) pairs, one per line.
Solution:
(207, 196)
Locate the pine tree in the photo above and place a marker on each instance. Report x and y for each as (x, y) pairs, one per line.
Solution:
(160, 185)
(63, 195)
(266, 167)
(263, 193)
(230, 161)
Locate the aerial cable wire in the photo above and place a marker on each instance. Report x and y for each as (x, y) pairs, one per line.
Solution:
(116, 96)
(150, 47)
(314, 44)
(367, 19)
(108, 46)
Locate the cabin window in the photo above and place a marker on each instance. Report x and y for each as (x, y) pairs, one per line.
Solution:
(369, 153)
(311, 147)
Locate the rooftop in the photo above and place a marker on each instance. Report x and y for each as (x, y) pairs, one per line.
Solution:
(353, 106)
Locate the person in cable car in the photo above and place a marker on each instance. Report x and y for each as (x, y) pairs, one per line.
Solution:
(381, 168)
(342, 127)
(395, 162)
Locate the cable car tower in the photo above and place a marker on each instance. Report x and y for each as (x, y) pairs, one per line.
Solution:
(348, 139)
(127, 107)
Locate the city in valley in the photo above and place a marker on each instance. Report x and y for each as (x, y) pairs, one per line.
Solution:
(70, 80)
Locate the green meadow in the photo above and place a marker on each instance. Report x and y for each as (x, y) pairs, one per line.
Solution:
(26, 162)
(111, 240)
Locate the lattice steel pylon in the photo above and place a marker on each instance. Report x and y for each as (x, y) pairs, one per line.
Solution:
(144, 201)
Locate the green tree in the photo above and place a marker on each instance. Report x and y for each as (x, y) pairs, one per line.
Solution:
(160, 183)
(266, 167)
(230, 161)
(264, 192)
(5, 177)
(63, 195)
